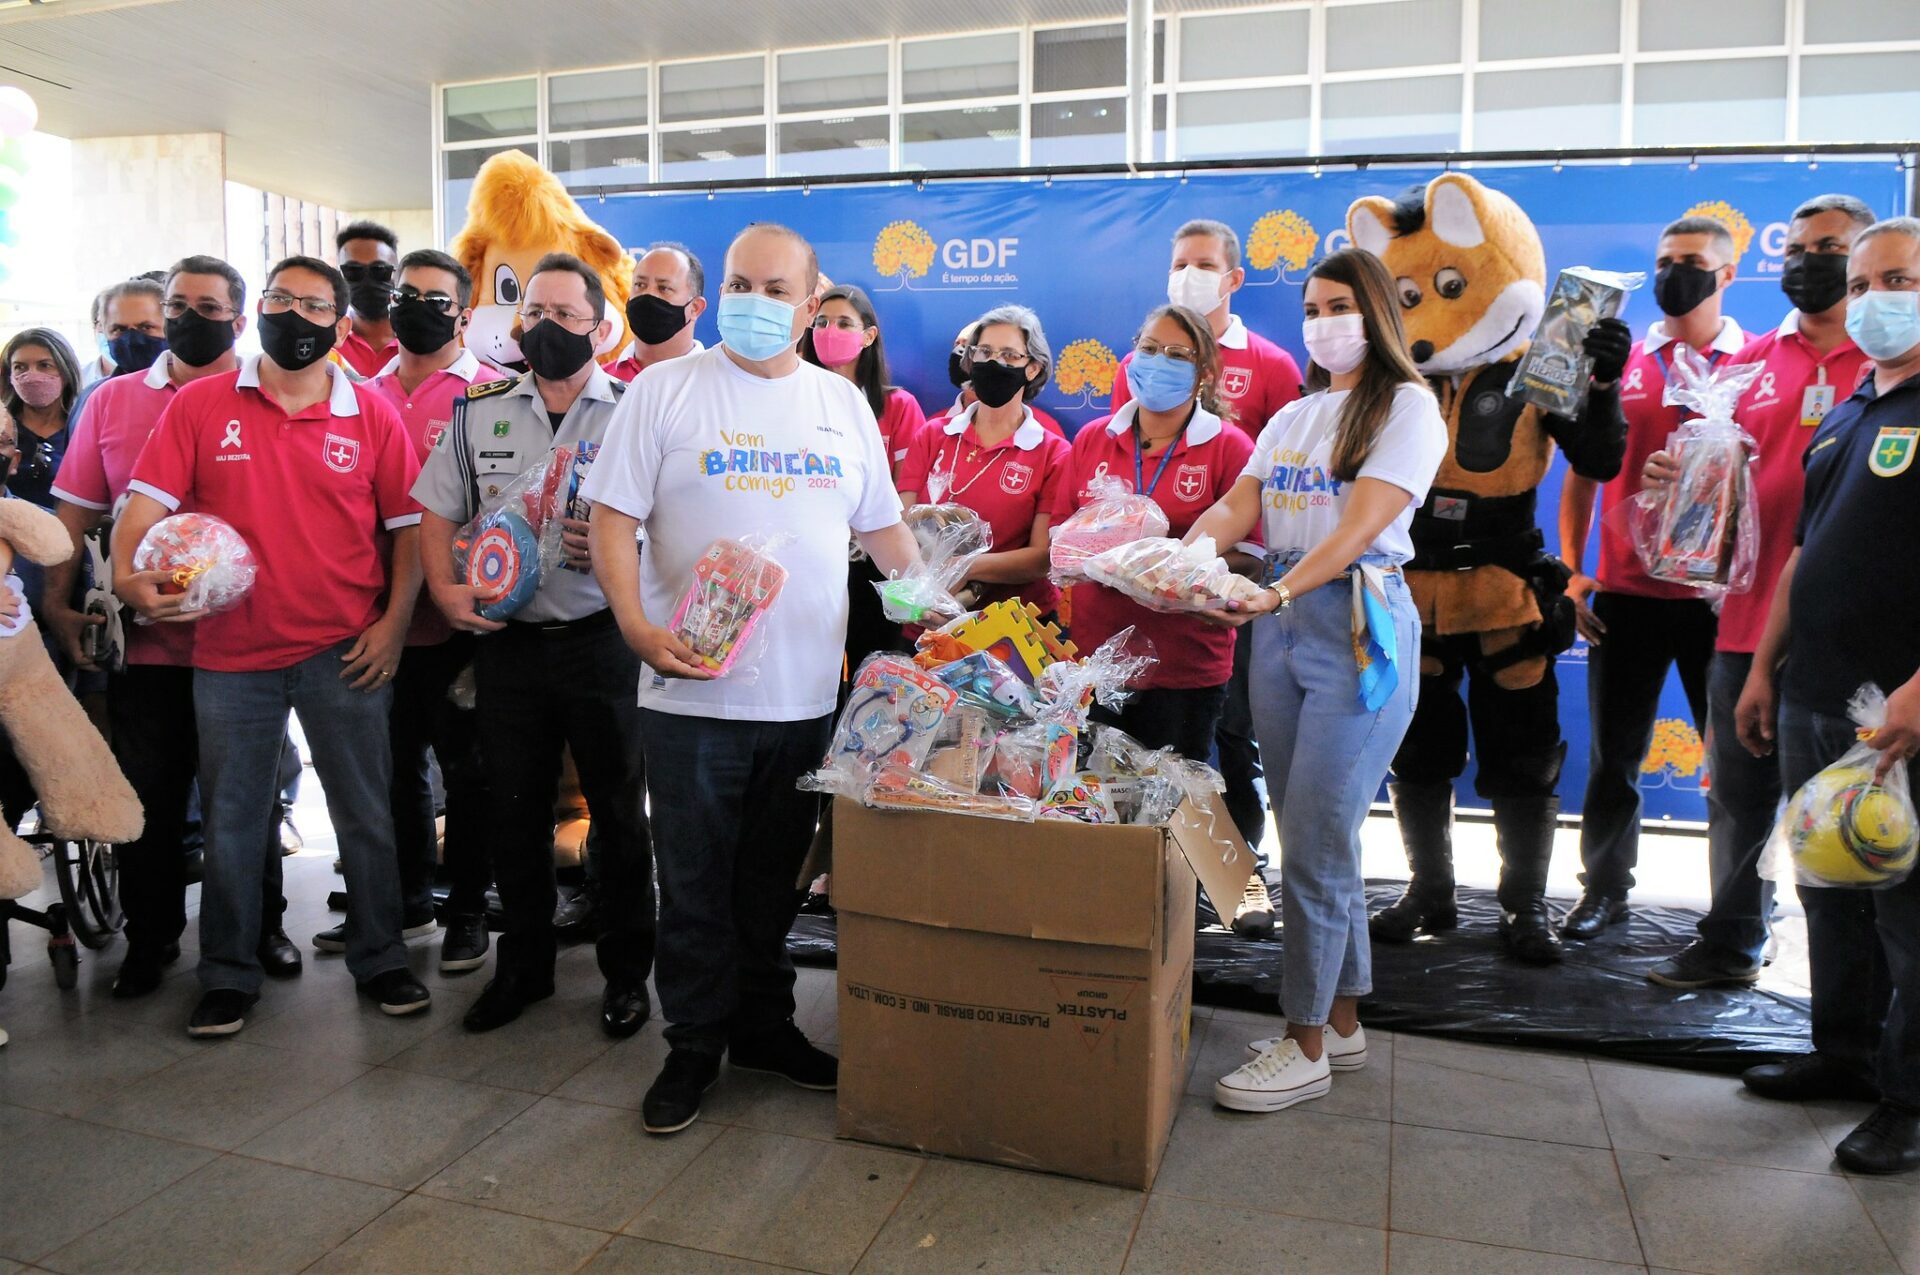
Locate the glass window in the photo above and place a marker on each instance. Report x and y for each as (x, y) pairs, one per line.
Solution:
(587, 162)
(1513, 29)
(963, 67)
(847, 144)
(1401, 115)
(965, 137)
(1838, 21)
(1093, 131)
(1244, 122)
(1571, 106)
(1859, 97)
(458, 184)
(597, 99)
(1700, 103)
(713, 90)
(829, 79)
(1404, 33)
(1090, 57)
(475, 112)
(713, 154)
(1711, 24)
(1234, 46)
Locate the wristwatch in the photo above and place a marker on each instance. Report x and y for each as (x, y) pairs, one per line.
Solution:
(1286, 597)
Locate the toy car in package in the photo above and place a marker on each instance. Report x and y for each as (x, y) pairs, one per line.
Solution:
(734, 585)
(204, 558)
(1115, 516)
(1165, 575)
(1555, 372)
(1703, 529)
(1845, 828)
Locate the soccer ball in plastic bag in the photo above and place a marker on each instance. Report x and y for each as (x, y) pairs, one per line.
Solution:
(1844, 828)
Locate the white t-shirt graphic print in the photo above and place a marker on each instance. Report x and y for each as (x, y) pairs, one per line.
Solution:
(701, 450)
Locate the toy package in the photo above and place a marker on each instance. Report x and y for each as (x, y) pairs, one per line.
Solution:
(1555, 372)
(985, 682)
(951, 538)
(1068, 690)
(894, 712)
(734, 585)
(1703, 530)
(902, 788)
(1844, 829)
(1115, 516)
(569, 475)
(1082, 797)
(205, 558)
(506, 553)
(1165, 575)
(1011, 630)
(954, 532)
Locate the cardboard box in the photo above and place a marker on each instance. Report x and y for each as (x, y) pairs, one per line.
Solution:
(1021, 993)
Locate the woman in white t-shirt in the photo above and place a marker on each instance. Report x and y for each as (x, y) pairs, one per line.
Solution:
(1333, 483)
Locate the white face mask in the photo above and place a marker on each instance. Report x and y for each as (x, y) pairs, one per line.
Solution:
(1337, 342)
(1197, 289)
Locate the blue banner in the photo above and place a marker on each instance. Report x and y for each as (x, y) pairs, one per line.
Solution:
(1090, 256)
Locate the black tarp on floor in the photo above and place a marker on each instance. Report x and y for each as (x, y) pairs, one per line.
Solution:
(1462, 986)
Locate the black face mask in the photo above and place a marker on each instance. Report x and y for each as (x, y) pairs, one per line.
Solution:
(134, 351)
(1817, 282)
(420, 328)
(655, 320)
(1679, 289)
(997, 385)
(369, 287)
(956, 369)
(197, 340)
(554, 353)
(292, 342)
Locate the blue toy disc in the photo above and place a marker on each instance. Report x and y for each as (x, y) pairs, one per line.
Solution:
(504, 564)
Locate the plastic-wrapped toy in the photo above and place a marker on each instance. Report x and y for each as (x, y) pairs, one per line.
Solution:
(986, 682)
(1082, 797)
(1028, 762)
(1164, 575)
(948, 532)
(1703, 530)
(951, 538)
(894, 712)
(1014, 632)
(1555, 372)
(1115, 516)
(499, 555)
(1067, 690)
(570, 466)
(734, 586)
(901, 788)
(963, 748)
(205, 558)
(1843, 829)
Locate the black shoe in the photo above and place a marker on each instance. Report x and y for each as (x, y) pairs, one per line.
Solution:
(278, 956)
(502, 1000)
(1888, 1141)
(785, 1051)
(673, 1100)
(465, 946)
(1700, 965)
(1424, 812)
(624, 1009)
(574, 913)
(221, 1012)
(1809, 1076)
(398, 992)
(416, 926)
(1592, 915)
(1419, 910)
(140, 973)
(1528, 934)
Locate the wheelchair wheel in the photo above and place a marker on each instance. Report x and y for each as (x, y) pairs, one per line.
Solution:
(89, 878)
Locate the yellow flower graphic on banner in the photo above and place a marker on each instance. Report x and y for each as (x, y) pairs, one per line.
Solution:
(1732, 218)
(1086, 368)
(903, 250)
(1281, 240)
(1676, 753)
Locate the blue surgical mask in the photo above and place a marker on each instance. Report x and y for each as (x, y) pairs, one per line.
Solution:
(1884, 325)
(755, 327)
(1159, 382)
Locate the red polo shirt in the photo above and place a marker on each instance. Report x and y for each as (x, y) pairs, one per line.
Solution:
(901, 428)
(1650, 422)
(1257, 378)
(1047, 422)
(309, 493)
(628, 365)
(1009, 484)
(1774, 411)
(1205, 461)
(358, 353)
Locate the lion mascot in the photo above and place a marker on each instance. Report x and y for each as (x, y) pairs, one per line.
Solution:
(1472, 280)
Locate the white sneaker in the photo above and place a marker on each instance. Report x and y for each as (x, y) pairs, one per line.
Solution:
(1274, 1081)
(1343, 1053)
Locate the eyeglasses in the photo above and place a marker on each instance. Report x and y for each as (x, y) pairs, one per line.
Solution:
(1005, 358)
(319, 309)
(572, 320)
(851, 325)
(432, 300)
(175, 307)
(1178, 353)
(361, 271)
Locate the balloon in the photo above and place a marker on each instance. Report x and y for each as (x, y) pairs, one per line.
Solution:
(18, 113)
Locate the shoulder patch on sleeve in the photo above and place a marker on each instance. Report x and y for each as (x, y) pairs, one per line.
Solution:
(487, 389)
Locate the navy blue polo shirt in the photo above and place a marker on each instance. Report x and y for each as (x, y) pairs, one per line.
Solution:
(1856, 592)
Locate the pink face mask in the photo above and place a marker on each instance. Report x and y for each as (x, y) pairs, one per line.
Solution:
(37, 388)
(838, 346)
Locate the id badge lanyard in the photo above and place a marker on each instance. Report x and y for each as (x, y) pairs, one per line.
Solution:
(1816, 400)
(1140, 471)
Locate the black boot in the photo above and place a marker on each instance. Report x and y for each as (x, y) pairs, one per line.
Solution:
(1525, 827)
(1425, 814)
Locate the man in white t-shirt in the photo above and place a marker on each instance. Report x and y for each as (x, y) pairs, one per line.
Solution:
(743, 440)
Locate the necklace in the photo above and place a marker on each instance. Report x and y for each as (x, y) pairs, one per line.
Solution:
(959, 488)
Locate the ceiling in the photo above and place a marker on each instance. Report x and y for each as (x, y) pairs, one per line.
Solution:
(330, 101)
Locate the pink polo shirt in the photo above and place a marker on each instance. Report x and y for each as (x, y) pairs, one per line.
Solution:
(1202, 464)
(358, 353)
(1257, 378)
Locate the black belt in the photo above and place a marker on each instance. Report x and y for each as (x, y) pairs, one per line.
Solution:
(601, 619)
(1513, 552)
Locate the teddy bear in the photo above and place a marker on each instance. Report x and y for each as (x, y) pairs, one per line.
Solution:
(1471, 274)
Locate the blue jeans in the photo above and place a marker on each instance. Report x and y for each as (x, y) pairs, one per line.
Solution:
(242, 718)
(730, 831)
(1742, 802)
(1305, 689)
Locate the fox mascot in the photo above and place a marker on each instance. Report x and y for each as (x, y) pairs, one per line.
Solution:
(1472, 278)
